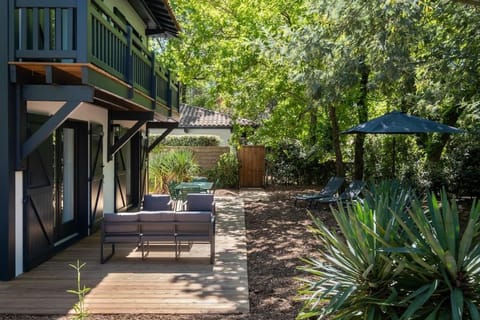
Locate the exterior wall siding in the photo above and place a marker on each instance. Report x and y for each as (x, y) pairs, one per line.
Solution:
(66, 34)
(7, 139)
(126, 9)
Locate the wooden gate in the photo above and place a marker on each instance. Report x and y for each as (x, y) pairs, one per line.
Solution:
(252, 166)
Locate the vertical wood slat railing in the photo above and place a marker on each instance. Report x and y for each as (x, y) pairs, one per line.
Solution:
(50, 30)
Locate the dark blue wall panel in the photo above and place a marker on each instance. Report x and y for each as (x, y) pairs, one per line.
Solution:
(7, 144)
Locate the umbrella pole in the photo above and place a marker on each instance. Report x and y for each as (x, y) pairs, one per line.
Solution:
(393, 158)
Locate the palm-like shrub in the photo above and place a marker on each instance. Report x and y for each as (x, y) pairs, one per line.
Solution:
(395, 258)
(173, 165)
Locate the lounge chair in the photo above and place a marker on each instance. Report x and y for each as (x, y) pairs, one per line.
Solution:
(330, 189)
(351, 193)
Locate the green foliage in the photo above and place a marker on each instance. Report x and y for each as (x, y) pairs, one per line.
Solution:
(226, 171)
(395, 260)
(447, 256)
(463, 165)
(354, 276)
(192, 141)
(173, 165)
(285, 63)
(289, 162)
(81, 311)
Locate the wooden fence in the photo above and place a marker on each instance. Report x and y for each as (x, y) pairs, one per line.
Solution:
(206, 157)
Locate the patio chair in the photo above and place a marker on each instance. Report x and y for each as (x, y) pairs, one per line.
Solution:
(195, 227)
(157, 202)
(351, 193)
(330, 189)
(215, 185)
(200, 202)
(199, 179)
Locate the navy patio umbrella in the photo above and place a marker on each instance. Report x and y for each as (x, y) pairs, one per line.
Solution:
(397, 122)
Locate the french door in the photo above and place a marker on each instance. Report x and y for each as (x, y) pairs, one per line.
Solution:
(56, 187)
(65, 199)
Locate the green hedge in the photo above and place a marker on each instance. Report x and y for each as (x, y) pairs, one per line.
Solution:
(191, 141)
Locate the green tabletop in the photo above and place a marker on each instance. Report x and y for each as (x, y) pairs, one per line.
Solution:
(203, 185)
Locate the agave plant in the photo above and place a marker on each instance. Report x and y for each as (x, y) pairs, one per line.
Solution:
(397, 257)
(448, 257)
(355, 279)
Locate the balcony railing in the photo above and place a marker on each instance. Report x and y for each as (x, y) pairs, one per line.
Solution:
(85, 31)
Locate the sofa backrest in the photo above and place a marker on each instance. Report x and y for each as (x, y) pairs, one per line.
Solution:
(120, 223)
(156, 202)
(158, 222)
(193, 222)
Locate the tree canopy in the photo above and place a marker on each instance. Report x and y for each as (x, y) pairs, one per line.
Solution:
(308, 69)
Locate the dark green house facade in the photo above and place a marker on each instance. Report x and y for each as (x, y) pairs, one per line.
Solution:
(79, 92)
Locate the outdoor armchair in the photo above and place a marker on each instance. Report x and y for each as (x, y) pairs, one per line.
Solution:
(118, 228)
(330, 189)
(195, 226)
(200, 202)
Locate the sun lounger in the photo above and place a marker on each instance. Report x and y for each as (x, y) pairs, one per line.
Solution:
(351, 193)
(330, 189)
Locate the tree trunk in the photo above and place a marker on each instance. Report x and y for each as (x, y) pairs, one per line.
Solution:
(313, 127)
(450, 118)
(340, 171)
(362, 112)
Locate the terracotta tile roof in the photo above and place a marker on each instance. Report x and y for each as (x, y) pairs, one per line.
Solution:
(196, 117)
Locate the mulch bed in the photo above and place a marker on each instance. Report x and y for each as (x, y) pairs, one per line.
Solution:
(277, 238)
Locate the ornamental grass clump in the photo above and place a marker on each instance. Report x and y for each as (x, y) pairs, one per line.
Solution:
(396, 257)
(173, 165)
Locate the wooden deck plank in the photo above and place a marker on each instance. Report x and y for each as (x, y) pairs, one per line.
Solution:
(128, 284)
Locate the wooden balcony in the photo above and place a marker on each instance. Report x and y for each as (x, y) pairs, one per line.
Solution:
(83, 42)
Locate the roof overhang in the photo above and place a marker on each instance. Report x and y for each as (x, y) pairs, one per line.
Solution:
(158, 16)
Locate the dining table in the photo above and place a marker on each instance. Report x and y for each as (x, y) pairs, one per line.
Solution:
(204, 186)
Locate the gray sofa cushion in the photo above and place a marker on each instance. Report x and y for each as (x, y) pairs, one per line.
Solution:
(156, 202)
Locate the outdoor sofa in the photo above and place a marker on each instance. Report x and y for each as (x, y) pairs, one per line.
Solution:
(157, 222)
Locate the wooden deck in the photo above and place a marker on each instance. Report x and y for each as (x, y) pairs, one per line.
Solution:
(126, 284)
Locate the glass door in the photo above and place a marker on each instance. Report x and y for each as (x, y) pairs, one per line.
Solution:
(66, 217)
